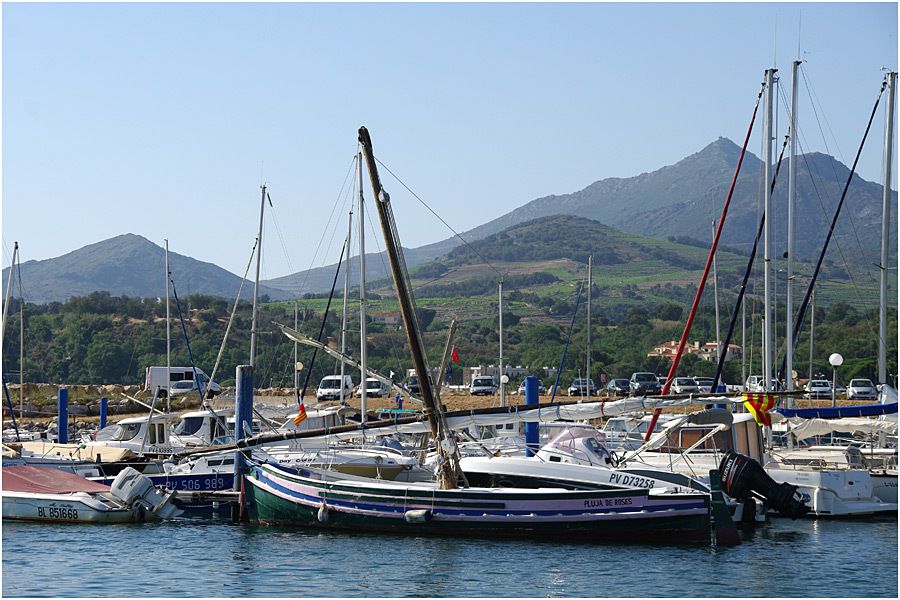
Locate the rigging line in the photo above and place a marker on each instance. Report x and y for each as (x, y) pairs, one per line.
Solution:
(447, 225)
(853, 227)
(287, 256)
(812, 94)
(322, 238)
(805, 304)
(237, 300)
(302, 393)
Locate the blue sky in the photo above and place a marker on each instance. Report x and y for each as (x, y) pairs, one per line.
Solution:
(162, 119)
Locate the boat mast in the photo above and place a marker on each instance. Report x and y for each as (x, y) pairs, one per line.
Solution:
(448, 453)
(715, 265)
(344, 317)
(21, 339)
(792, 190)
(262, 207)
(590, 282)
(9, 282)
(768, 338)
(500, 370)
(296, 372)
(168, 334)
(362, 295)
(885, 226)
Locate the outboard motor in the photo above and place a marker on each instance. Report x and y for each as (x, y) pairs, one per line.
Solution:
(744, 478)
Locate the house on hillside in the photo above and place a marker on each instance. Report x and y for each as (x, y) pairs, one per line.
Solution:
(705, 351)
(388, 318)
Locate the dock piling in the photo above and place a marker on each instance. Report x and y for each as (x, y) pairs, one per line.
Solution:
(532, 437)
(62, 419)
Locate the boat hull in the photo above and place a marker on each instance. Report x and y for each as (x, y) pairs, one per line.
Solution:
(278, 497)
(68, 508)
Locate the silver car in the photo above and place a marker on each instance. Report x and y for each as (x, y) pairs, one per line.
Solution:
(862, 389)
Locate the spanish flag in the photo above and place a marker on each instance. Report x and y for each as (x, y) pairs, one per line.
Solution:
(759, 406)
(301, 416)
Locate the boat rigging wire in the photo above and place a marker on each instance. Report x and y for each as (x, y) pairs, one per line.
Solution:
(812, 282)
(740, 297)
(302, 393)
(562, 361)
(447, 225)
(702, 284)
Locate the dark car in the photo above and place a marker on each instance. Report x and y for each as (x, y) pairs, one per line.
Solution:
(617, 387)
(583, 387)
(644, 383)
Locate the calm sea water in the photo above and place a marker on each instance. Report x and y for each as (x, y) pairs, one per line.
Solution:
(203, 558)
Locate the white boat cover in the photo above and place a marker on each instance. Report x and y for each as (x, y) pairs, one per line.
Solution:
(804, 428)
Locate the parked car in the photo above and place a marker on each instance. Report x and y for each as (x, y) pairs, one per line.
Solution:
(617, 387)
(644, 383)
(181, 381)
(754, 384)
(583, 387)
(374, 389)
(818, 388)
(412, 384)
(704, 384)
(541, 389)
(685, 385)
(330, 388)
(483, 386)
(861, 389)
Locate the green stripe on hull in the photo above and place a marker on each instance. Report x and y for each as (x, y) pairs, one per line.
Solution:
(268, 508)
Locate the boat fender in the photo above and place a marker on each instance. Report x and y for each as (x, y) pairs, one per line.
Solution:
(417, 516)
(323, 515)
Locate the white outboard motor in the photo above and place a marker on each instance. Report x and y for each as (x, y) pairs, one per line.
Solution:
(133, 488)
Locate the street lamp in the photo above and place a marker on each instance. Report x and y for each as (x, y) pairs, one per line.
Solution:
(835, 360)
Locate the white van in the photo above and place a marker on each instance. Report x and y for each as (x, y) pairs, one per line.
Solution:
(330, 388)
(181, 381)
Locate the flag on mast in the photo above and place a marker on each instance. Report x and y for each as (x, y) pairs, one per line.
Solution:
(454, 355)
(759, 406)
(301, 415)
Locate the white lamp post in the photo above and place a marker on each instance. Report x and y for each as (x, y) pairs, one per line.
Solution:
(835, 360)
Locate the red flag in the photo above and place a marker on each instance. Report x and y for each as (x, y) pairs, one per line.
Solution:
(454, 355)
(301, 415)
(759, 406)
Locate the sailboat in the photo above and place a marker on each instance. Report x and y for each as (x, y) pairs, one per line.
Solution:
(325, 499)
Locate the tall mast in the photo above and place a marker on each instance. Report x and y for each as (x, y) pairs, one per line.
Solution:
(21, 340)
(168, 334)
(792, 190)
(344, 316)
(500, 371)
(885, 226)
(448, 452)
(296, 328)
(362, 294)
(259, 246)
(812, 330)
(715, 265)
(587, 371)
(9, 282)
(768, 338)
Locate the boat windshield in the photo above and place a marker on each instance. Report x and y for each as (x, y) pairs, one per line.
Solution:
(126, 432)
(582, 439)
(189, 426)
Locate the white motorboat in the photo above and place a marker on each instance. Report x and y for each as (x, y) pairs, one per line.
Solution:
(47, 494)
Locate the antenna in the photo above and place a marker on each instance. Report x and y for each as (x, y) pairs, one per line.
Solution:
(775, 44)
(799, 27)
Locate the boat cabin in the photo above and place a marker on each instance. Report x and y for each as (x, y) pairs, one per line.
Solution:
(150, 435)
(202, 427)
(576, 444)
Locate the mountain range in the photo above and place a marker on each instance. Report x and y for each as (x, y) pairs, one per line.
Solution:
(677, 202)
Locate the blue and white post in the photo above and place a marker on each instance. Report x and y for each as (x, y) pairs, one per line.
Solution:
(243, 413)
(62, 419)
(103, 408)
(532, 435)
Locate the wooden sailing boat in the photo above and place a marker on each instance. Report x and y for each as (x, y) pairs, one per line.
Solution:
(320, 498)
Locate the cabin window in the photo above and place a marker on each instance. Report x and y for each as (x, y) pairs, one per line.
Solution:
(189, 426)
(213, 463)
(127, 432)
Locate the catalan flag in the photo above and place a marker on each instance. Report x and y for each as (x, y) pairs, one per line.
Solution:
(301, 415)
(759, 406)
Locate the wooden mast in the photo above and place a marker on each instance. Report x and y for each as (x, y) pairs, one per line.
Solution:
(445, 446)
